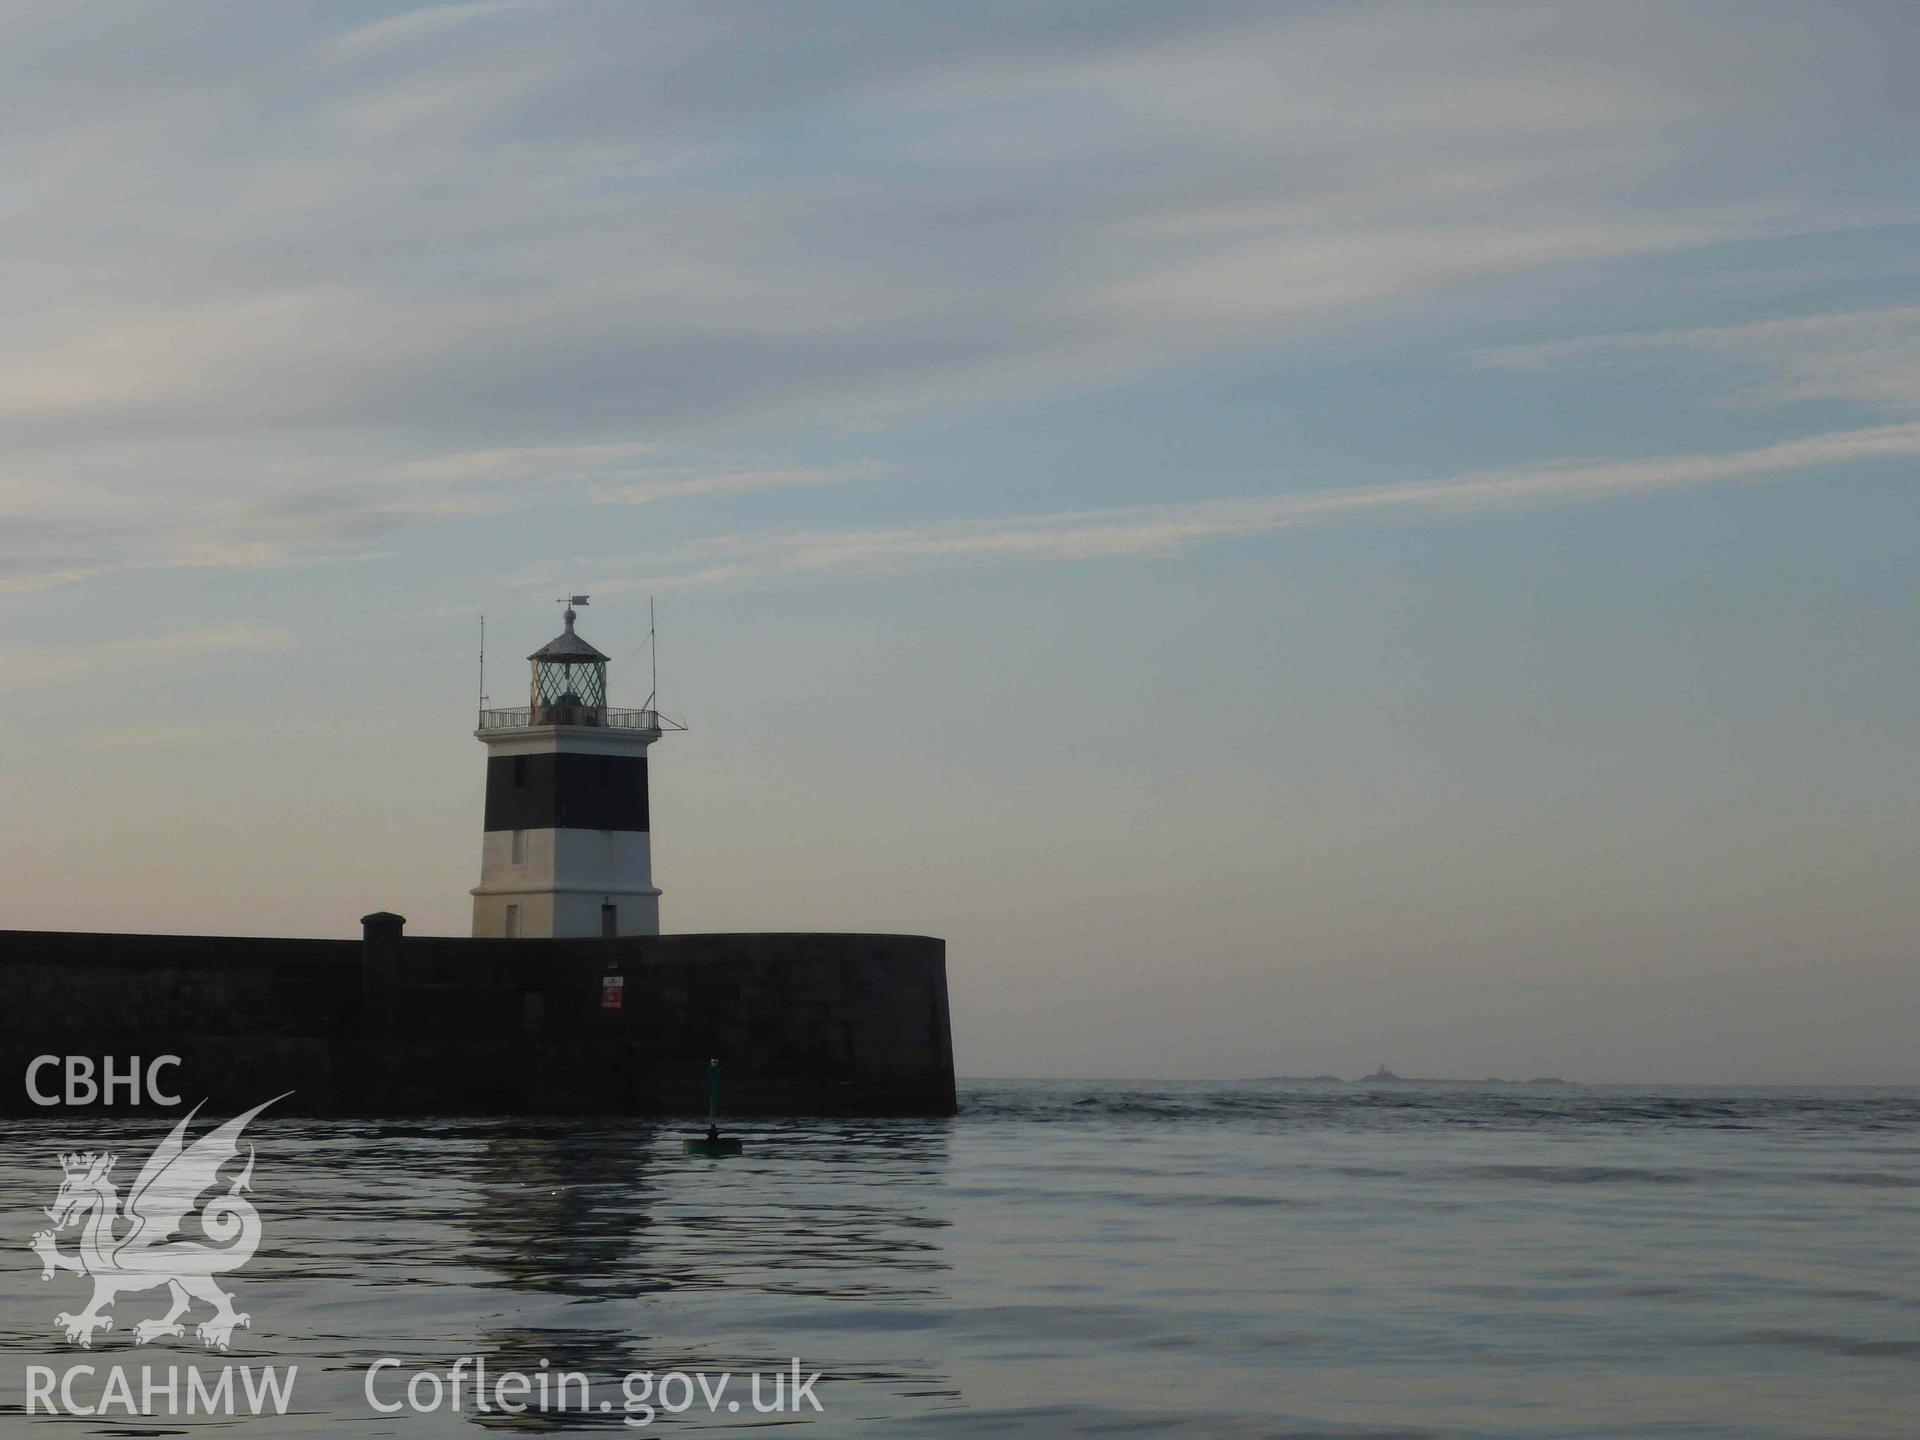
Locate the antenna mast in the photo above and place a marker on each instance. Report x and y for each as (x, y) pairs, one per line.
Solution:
(483, 660)
(653, 653)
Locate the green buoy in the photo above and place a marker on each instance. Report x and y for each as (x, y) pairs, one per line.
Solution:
(713, 1144)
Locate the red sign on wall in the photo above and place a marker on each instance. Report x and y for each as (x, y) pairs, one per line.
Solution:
(612, 987)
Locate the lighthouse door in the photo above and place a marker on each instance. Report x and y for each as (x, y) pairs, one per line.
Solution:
(609, 921)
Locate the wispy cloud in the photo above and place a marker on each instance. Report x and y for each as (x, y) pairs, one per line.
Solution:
(279, 512)
(1147, 530)
(414, 26)
(679, 483)
(1292, 271)
(236, 637)
(510, 224)
(1867, 357)
(37, 667)
(139, 737)
(490, 257)
(517, 462)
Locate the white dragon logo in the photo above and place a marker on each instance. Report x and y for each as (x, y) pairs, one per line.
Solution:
(144, 1254)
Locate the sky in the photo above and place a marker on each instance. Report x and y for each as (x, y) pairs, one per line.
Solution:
(1295, 536)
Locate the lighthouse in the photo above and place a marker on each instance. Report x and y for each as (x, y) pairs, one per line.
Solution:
(566, 851)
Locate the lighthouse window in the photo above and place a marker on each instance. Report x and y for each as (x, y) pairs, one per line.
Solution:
(519, 847)
(519, 772)
(513, 922)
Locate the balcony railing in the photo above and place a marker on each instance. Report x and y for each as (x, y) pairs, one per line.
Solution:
(599, 715)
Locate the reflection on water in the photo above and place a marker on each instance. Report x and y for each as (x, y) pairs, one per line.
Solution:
(595, 1246)
(1068, 1259)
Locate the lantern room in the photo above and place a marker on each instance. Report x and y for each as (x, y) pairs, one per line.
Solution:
(569, 681)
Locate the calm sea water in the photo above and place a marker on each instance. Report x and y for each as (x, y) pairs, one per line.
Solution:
(1075, 1258)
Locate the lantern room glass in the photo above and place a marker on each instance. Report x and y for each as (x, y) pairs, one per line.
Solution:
(569, 692)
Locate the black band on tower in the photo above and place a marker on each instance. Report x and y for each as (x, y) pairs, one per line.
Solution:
(566, 792)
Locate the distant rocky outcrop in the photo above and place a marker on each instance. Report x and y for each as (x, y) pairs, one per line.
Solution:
(1384, 1076)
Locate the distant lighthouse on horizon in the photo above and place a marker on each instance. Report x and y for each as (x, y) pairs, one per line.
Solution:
(567, 851)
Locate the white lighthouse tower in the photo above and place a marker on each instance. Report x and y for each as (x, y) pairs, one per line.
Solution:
(566, 851)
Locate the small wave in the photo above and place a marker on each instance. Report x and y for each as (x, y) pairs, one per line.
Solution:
(1817, 1342)
(1578, 1174)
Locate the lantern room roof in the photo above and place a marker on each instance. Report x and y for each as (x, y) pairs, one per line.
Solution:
(567, 647)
